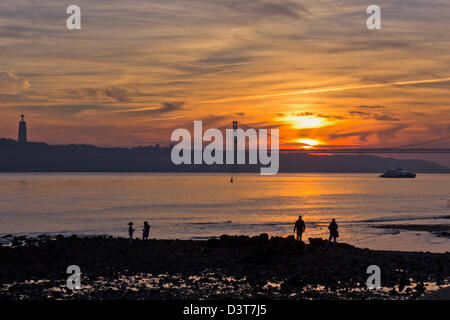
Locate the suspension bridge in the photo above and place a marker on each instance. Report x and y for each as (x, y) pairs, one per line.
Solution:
(441, 145)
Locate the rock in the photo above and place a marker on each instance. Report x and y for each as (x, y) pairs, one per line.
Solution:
(444, 234)
(234, 266)
(276, 240)
(317, 242)
(233, 241)
(212, 243)
(263, 237)
(344, 245)
(290, 238)
(420, 287)
(295, 281)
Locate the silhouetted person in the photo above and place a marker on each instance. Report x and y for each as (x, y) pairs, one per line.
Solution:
(333, 227)
(130, 231)
(145, 231)
(299, 227)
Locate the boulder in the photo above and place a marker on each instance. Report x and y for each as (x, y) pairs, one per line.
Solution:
(317, 242)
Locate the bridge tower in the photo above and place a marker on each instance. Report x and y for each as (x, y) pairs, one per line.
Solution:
(22, 131)
(234, 169)
(235, 126)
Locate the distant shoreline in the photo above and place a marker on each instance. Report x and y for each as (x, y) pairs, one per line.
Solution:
(42, 157)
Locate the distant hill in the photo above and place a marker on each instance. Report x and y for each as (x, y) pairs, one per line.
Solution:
(42, 157)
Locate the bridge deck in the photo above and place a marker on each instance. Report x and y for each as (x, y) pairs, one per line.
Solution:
(369, 150)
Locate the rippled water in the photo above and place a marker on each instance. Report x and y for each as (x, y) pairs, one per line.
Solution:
(197, 206)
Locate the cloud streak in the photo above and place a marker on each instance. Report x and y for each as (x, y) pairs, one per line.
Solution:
(336, 89)
(166, 107)
(10, 82)
(118, 94)
(375, 116)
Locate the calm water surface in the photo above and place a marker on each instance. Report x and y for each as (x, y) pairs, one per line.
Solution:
(198, 206)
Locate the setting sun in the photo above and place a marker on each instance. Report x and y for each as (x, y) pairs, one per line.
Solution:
(308, 143)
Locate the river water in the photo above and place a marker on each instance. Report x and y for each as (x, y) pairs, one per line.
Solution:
(200, 206)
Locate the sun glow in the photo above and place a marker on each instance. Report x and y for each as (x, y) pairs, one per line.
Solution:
(308, 143)
(305, 122)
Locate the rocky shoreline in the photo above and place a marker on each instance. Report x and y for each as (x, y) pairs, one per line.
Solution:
(238, 267)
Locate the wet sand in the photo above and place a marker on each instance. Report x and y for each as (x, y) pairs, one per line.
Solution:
(441, 230)
(229, 267)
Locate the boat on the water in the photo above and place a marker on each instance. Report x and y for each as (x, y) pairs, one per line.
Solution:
(398, 173)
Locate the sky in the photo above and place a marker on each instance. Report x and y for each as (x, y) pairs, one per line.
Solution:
(139, 69)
